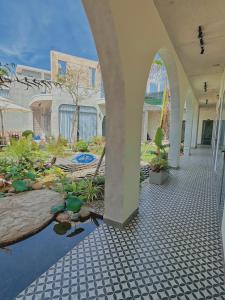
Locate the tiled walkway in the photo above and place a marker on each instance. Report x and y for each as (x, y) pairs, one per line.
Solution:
(171, 250)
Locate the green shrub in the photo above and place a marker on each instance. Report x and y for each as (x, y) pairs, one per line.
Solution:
(99, 180)
(81, 146)
(142, 176)
(159, 136)
(56, 148)
(62, 141)
(26, 133)
(98, 140)
(157, 164)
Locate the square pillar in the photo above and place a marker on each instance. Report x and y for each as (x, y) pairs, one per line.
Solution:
(188, 130)
(122, 172)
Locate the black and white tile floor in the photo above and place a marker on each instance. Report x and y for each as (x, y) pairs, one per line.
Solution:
(171, 250)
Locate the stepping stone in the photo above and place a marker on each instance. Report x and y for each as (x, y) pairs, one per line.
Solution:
(26, 213)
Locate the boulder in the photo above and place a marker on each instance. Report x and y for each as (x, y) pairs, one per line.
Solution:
(84, 212)
(63, 217)
(11, 190)
(37, 186)
(25, 213)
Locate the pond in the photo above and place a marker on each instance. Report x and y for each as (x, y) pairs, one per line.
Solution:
(22, 262)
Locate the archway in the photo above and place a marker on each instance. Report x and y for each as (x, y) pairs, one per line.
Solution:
(164, 84)
(175, 107)
(125, 61)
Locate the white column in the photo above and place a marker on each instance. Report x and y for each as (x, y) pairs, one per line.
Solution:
(188, 128)
(144, 126)
(195, 126)
(175, 134)
(123, 137)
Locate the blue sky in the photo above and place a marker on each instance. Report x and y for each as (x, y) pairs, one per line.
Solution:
(29, 29)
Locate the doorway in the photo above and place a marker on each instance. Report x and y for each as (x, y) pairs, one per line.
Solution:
(207, 127)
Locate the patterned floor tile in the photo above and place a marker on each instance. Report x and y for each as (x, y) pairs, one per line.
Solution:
(171, 250)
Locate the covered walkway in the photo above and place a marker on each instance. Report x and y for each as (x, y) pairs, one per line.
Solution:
(171, 250)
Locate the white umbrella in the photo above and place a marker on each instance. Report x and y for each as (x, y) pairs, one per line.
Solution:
(7, 105)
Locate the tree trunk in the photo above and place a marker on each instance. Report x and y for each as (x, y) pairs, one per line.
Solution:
(99, 164)
(74, 132)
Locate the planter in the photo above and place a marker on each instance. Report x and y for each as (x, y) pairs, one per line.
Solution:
(158, 177)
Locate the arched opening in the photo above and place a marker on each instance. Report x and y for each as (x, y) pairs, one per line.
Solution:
(162, 107)
(41, 107)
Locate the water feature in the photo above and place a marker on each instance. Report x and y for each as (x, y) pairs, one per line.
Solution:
(22, 262)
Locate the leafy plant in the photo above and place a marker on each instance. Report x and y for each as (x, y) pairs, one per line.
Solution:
(99, 180)
(57, 208)
(26, 133)
(31, 175)
(73, 203)
(98, 140)
(142, 176)
(159, 138)
(56, 148)
(62, 228)
(157, 164)
(20, 186)
(81, 146)
(91, 192)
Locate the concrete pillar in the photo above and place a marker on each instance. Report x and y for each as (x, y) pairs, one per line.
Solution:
(195, 122)
(188, 128)
(174, 135)
(144, 126)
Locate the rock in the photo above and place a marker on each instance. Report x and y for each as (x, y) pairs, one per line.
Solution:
(25, 213)
(11, 190)
(63, 217)
(28, 182)
(75, 217)
(84, 212)
(10, 194)
(37, 186)
(1, 182)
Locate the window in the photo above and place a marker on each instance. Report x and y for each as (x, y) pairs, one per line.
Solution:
(62, 67)
(92, 77)
(152, 87)
(4, 93)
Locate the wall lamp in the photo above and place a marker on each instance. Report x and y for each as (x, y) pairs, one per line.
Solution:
(205, 86)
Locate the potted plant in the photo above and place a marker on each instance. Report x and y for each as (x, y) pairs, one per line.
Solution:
(158, 170)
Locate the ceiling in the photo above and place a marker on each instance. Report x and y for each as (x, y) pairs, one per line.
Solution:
(181, 19)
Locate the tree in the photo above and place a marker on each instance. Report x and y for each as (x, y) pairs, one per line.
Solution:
(76, 82)
(3, 72)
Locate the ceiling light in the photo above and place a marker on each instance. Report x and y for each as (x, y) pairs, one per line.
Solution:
(206, 101)
(201, 40)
